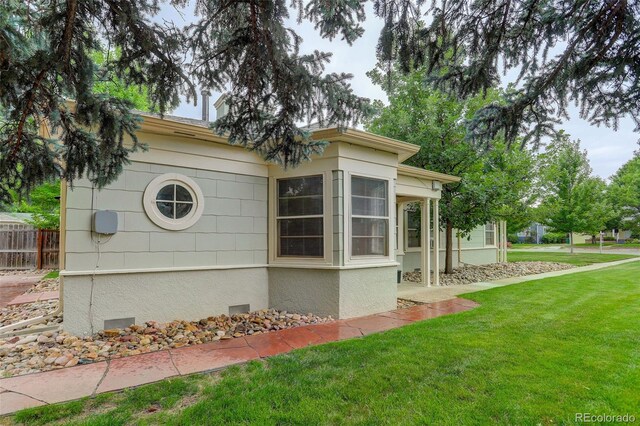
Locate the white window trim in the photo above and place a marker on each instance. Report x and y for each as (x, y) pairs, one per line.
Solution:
(151, 209)
(327, 222)
(349, 258)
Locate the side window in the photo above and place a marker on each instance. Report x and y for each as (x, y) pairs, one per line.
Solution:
(299, 217)
(369, 217)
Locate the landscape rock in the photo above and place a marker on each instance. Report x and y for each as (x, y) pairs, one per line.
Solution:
(479, 273)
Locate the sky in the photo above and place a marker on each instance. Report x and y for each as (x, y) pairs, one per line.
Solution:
(607, 149)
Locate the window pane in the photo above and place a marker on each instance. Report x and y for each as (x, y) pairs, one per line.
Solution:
(308, 185)
(301, 246)
(166, 208)
(183, 194)
(369, 206)
(300, 206)
(183, 209)
(364, 227)
(369, 237)
(368, 187)
(366, 246)
(166, 193)
(300, 227)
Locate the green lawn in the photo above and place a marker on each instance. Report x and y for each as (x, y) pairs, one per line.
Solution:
(518, 246)
(578, 259)
(532, 353)
(52, 274)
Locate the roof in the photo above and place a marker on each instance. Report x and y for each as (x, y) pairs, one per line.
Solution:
(406, 170)
(199, 129)
(14, 217)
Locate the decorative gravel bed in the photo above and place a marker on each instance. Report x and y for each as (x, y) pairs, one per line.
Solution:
(405, 303)
(52, 350)
(50, 284)
(4, 272)
(477, 273)
(15, 313)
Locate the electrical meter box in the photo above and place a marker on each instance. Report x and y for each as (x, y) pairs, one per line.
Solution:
(105, 222)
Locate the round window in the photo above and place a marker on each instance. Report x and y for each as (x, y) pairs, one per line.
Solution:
(173, 201)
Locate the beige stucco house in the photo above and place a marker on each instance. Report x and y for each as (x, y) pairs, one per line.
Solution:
(207, 228)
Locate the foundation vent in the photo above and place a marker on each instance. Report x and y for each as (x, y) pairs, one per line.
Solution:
(239, 309)
(119, 323)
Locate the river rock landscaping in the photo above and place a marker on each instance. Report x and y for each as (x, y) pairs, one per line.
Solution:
(57, 349)
(477, 273)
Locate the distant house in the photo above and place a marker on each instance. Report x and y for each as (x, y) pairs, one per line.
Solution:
(532, 234)
(14, 221)
(201, 227)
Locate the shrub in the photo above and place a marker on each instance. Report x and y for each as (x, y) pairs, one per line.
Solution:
(513, 239)
(554, 238)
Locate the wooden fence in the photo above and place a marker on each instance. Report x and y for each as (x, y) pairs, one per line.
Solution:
(29, 249)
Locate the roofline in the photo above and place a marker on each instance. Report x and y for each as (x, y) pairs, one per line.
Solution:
(404, 150)
(406, 170)
(154, 124)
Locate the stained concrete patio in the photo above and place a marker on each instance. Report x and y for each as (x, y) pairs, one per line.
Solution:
(71, 383)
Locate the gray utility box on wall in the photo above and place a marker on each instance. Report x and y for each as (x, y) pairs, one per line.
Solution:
(105, 222)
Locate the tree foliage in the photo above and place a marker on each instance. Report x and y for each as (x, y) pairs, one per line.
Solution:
(624, 195)
(582, 51)
(43, 204)
(46, 52)
(107, 83)
(572, 200)
(493, 181)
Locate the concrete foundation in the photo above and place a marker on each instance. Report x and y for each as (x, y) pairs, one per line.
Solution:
(160, 296)
(341, 293)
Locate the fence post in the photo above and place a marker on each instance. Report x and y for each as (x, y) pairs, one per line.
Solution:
(39, 250)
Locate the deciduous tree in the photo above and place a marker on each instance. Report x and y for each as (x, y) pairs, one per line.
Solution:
(492, 180)
(572, 199)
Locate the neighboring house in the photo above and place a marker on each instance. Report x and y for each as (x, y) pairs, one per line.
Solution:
(533, 234)
(206, 228)
(15, 221)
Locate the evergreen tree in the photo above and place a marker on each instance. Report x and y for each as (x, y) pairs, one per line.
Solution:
(494, 182)
(46, 46)
(582, 51)
(46, 58)
(572, 200)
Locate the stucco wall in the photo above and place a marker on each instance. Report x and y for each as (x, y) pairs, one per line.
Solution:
(366, 291)
(341, 293)
(482, 256)
(474, 251)
(161, 296)
(231, 231)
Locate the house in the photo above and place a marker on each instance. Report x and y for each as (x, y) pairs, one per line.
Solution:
(15, 221)
(201, 227)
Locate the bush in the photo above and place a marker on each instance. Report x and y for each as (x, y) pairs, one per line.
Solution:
(513, 239)
(632, 241)
(554, 238)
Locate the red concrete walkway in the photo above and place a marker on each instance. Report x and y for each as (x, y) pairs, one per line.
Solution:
(71, 383)
(34, 297)
(14, 285)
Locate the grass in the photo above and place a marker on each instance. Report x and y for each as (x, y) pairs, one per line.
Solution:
(577, 259)
(532, 353)
(608, 244)
(52, 274)
(577, 245)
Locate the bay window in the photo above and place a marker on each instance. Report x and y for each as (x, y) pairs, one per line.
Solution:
(369, 217)
(300, 217)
